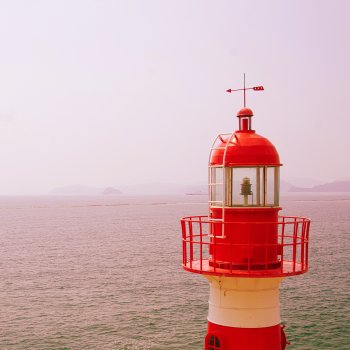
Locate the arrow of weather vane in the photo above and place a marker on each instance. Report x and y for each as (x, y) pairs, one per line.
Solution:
(255, 88)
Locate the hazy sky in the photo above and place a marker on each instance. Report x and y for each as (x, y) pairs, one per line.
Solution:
(125, 92)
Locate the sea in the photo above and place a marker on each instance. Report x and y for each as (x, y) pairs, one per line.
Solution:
(105, 273)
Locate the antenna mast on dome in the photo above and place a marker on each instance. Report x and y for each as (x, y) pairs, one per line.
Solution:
(255, 88)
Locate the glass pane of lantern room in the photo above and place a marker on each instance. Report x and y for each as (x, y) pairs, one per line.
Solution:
(272, 186)
(216, 196)
(217, 177)
(247, 186)
(216, 186)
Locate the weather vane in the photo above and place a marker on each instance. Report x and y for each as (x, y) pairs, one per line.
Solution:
(256, 88)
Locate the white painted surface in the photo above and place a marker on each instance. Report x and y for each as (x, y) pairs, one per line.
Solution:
(244, 302)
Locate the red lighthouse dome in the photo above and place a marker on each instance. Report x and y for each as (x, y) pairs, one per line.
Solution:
(244, 147)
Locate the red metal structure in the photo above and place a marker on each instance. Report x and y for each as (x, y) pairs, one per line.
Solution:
(243, 247)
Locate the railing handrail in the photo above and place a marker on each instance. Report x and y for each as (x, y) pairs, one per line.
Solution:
(278, 248)
(198, 218)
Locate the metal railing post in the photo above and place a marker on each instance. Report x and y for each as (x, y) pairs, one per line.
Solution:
(191, 241)
(295, 233)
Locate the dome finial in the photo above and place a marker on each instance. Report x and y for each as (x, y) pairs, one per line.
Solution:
(245, 113)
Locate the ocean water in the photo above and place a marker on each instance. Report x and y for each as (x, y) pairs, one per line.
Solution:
(105, 273)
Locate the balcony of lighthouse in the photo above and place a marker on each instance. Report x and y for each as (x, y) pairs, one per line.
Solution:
(245, 249)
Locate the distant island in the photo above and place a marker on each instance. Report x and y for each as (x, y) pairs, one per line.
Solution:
(80, 190)
(111, 191)
(336, 186)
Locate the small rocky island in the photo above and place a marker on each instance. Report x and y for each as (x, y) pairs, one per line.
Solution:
(80, 190)
(111, 191)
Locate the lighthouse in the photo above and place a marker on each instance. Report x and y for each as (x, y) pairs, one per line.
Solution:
(243, 246)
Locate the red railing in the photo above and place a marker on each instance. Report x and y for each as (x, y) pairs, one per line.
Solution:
(258, 249)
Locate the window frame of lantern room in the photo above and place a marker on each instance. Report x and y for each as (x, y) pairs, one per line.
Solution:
(265, 180)
(265, 177)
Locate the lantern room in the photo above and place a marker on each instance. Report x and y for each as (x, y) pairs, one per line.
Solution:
(243, 168)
